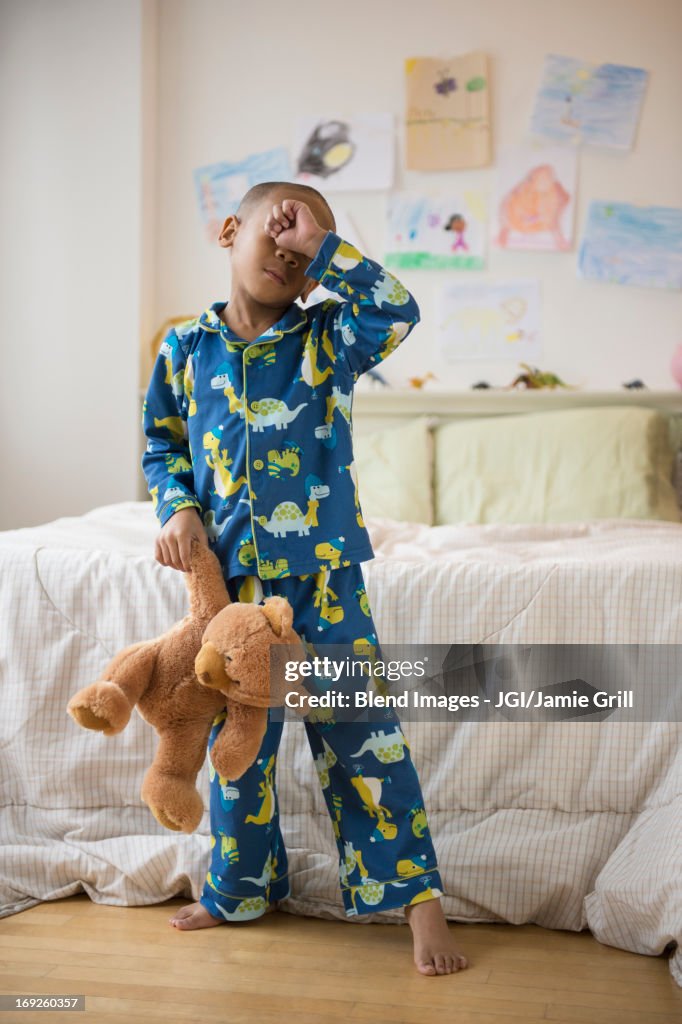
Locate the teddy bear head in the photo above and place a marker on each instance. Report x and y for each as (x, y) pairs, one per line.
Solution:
(235, 655)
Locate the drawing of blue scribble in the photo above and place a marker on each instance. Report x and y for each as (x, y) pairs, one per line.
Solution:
(589, 104)
(635, 245)
(221, 186)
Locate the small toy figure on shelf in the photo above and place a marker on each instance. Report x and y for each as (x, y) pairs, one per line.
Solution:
(377, 378)
(634, 384)
(536, 378)
(419, 382)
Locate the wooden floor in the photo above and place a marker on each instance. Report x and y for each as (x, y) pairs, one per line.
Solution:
(133, 967)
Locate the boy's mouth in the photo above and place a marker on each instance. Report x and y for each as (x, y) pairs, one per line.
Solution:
(275, 276)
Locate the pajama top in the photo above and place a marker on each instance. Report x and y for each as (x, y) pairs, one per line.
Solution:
(258, 435)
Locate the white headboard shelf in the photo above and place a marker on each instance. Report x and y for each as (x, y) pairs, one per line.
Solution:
(376, 407)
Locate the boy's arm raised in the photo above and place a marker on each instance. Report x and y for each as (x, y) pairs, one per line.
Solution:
(378, 313)
(167, 461)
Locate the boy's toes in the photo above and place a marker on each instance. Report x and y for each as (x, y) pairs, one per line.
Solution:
(179, 914)
(439, 961)
(426, 967)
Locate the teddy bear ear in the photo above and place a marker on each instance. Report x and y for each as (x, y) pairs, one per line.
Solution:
(279, 614)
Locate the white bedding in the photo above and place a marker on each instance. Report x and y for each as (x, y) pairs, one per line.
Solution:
(565, 824)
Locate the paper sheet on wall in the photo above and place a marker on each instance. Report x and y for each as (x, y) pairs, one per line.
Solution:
(221, 186)
(437, 232)
(534, 207)
(589, 104)
(632, 245)
(335, 154)
(489, 321)
(447, 113)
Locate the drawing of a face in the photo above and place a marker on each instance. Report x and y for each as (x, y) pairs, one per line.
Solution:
(456, 223)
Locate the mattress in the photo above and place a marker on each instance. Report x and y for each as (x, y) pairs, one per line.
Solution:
(565, 824)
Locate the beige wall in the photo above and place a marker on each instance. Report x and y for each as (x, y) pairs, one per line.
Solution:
(70, 116)
(101, 238)
(233, 77)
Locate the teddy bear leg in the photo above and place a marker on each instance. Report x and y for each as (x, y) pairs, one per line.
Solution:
(174, 801)
(102, 706)
(169, 787)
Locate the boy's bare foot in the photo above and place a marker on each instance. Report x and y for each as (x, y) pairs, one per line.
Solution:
(195, 915)
(434, 950)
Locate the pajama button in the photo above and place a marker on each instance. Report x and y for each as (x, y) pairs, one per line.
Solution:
(258, 464)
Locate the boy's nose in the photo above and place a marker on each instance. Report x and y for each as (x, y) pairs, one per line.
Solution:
(287, 255)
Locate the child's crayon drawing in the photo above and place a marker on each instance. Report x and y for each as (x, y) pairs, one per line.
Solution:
(448, 113)
(221, 186)
(434, 233)
(489, 321)
(625, 244)
(536, 189)
(337, 154)
(589, 104)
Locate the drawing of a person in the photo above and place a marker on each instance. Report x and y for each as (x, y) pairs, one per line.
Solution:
(458, 226)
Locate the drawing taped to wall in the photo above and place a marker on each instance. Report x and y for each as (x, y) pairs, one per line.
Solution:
(632, 245)
(536, 191)
(221, 186)
(337, 154)
(489, 321)
(437, 232)
(589, 104)
(447, 113)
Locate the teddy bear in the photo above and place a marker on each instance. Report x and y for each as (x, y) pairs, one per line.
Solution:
(216, 658)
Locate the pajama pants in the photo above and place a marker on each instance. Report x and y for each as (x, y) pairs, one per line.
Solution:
(370, 785)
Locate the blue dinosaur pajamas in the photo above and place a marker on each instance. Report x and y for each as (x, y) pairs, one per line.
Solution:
(257, 436)
(371, 788)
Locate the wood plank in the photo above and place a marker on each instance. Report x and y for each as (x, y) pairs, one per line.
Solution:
(132, 965)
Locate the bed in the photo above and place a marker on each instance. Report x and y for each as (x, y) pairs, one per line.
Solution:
(567, 824)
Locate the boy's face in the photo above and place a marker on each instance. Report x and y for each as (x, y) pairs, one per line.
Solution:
(253, 251)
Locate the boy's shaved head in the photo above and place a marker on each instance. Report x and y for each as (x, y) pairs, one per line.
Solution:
(257, 193)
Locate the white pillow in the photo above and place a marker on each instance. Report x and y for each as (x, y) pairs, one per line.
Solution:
(555, 467)
(394, 472)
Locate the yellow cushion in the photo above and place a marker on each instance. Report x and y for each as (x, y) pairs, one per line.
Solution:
(394, 472)
(611, 461)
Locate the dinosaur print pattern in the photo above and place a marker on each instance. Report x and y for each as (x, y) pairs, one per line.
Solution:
(367, 780)
(271, 412)
(253, 434)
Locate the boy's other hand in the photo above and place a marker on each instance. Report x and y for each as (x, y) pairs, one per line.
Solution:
(292, 224)
(172, 547)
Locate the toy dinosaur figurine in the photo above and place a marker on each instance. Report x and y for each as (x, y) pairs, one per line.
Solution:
(536, 378)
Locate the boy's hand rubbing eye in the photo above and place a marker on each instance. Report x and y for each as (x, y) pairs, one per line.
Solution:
(293, 226)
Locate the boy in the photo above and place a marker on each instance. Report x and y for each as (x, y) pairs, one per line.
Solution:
(249, 448)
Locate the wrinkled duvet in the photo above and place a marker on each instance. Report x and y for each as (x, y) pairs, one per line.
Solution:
(565, 824)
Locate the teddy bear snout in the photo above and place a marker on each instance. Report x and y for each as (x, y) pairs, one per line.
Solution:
(209, 667)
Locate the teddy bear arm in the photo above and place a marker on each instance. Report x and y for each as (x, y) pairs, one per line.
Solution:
(107, 704)
(238, 742)
(205, 583)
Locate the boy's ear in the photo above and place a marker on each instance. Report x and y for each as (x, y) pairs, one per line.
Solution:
(228, 231)
(310, 287)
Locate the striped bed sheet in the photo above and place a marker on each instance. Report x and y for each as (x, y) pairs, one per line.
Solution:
(568, 825)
